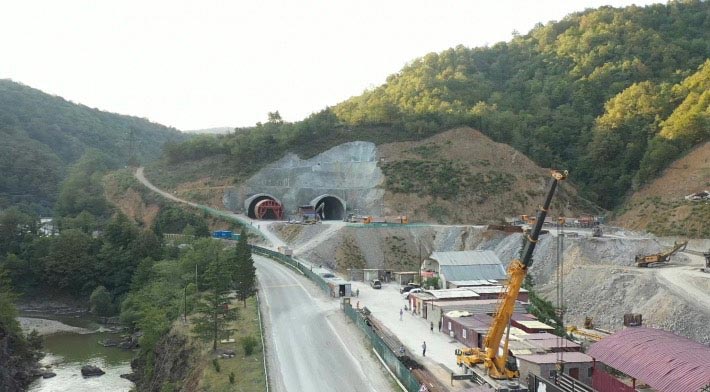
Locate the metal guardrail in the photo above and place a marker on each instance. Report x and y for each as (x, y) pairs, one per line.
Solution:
(293, 263)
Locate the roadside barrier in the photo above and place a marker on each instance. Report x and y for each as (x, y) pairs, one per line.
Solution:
(293, 263)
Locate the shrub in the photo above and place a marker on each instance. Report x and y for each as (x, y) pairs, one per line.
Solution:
(231, 378)
(215, 363)
(249, 344)
(100, 301)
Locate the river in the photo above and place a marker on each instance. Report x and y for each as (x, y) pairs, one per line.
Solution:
(67, 352)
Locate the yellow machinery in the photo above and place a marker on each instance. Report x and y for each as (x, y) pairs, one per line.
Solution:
(402, 219)
(497, 364)
(588, 332)
(645, 261)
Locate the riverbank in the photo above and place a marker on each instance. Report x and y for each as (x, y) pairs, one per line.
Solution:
(48, 327)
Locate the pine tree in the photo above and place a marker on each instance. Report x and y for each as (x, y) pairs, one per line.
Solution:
(244, 271)
(213, 311)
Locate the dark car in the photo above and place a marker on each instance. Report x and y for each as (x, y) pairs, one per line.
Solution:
(406, 288)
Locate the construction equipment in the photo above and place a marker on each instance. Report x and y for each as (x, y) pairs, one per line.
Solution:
(499, 365)
(401, 219)
(663, 257)
(589, 332)
(597, 231)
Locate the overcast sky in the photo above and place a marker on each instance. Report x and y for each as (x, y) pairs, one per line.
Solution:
(208, 63)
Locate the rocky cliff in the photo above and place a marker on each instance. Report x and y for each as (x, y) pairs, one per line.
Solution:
(18, 362)
(171, 366)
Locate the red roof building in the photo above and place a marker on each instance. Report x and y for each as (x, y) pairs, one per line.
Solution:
(663, 360)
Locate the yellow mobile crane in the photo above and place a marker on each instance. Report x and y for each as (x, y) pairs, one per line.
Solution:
(498, 365)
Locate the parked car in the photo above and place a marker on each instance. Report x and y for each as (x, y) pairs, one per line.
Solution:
(375, 284)
(406, 288)
(412, 291)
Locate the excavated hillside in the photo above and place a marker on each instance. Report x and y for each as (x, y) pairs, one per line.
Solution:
(462, 176)
(458, 176)
(600, 278)
(661, 208)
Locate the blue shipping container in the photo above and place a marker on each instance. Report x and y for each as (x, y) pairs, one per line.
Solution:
(222, 234)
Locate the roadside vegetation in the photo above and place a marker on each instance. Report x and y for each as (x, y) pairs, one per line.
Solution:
(244, 372)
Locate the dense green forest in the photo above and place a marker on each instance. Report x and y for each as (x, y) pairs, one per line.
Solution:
(41, 135)
(613, 94)
(97, 255)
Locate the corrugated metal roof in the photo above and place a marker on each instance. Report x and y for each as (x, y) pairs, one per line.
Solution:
(535, 336)
(452, 293)
(491, 289)
(568, 357)
(476, 307)
(472, 272)
(466, 257)
(665, 361)
(534, 324)
(549, 344)
(478, 282)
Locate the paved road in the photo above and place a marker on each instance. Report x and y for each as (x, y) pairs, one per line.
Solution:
(310, 345)
(306, 353)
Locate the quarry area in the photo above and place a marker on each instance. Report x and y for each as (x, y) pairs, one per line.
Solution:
(601, 279)
(366, 224)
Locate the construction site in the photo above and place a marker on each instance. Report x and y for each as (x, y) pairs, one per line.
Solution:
(616, 296)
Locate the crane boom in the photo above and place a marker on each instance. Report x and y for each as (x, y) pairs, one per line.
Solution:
(497, 365)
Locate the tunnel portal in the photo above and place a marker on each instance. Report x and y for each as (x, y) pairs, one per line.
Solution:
(264, 207)
(329, 207)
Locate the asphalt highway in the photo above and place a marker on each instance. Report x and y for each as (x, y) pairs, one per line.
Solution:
(310, 347)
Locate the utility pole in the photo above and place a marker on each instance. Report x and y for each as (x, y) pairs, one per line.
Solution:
(421, 264)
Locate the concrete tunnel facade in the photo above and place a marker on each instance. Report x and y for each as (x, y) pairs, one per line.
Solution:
(349, 170)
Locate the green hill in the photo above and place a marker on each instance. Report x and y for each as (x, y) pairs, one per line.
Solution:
(41, 135)
(604, 92)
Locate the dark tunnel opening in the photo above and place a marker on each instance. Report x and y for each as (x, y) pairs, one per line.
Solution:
(330, 208)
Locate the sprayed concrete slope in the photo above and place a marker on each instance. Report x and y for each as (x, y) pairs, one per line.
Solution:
(348, 172)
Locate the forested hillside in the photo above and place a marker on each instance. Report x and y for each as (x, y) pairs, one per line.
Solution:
(41, 135)
(612, 94)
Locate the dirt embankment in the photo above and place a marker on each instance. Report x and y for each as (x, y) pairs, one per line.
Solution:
(660, 207)
(600, 276)
(462, 176)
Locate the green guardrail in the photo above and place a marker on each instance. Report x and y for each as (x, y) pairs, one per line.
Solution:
(400, 370)
(293, 263)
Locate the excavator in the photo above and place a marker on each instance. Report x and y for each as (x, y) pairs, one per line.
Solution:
(497, 364)
(663, 257)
